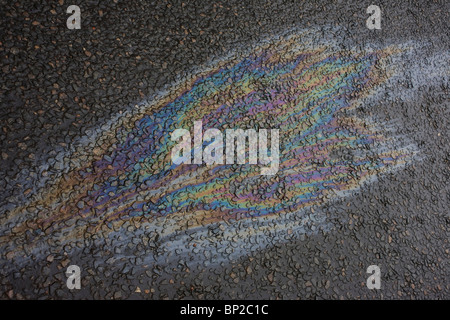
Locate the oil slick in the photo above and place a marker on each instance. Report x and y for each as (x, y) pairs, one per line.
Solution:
(125, 175)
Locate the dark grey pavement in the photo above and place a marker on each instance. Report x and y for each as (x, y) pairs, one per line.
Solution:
(57, 85)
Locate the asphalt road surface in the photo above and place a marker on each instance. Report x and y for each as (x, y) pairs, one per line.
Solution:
(86, 177)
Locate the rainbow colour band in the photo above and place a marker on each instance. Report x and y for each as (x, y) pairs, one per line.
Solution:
(309, 95)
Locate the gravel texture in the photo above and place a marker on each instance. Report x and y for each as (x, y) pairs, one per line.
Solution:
(69, 95)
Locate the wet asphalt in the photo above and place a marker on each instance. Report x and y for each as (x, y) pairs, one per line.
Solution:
(57, 83)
